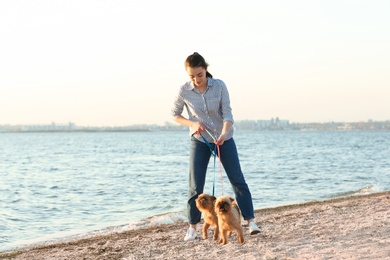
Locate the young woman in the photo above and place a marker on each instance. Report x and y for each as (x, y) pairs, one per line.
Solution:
(209, 113)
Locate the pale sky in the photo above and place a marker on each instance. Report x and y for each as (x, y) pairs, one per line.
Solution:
(117, 63)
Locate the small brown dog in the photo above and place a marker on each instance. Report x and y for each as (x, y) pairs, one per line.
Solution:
(229, 218)
(205, 204)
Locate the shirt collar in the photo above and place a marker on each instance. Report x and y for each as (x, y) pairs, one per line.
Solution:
(209, 84)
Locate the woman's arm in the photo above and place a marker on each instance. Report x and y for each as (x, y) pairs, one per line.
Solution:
(195, 126)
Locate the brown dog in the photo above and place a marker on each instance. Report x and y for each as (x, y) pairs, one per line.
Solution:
(229, 218)
(205, 204)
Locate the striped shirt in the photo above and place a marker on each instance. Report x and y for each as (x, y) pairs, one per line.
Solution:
(211, 108)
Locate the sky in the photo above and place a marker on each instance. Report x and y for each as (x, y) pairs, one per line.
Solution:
(119, 63)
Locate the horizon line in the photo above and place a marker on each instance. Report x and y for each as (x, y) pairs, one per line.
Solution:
(173, 123)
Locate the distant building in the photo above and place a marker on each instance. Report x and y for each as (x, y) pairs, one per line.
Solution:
(258, 125)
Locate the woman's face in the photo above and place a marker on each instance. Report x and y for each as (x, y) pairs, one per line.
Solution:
(197, 76)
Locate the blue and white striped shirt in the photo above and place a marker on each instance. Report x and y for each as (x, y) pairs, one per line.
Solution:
(211, 108)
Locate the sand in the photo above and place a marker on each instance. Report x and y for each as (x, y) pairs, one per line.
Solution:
(355, 227)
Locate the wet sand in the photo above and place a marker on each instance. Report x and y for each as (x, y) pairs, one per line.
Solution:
(355, 227)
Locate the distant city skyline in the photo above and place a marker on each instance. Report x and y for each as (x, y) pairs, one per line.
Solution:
(174, 123)
(118, 63)
(251, 125)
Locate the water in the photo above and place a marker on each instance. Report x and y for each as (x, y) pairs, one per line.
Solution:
(56, 185)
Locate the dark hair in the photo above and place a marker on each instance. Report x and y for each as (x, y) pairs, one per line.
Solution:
(196, 60)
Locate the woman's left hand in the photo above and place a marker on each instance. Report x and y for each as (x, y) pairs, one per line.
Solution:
(221, 139)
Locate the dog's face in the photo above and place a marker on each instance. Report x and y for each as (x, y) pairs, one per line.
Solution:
(205, 202)
(223, 204)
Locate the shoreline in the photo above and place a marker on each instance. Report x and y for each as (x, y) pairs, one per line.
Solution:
(354, 227)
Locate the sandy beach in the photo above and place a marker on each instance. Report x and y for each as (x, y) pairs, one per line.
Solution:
(355, 227)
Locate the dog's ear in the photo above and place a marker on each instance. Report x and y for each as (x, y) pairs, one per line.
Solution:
(231, 199)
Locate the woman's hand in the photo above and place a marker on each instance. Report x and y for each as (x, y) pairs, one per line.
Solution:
(197, 126)
(227, 126)
(221, 139)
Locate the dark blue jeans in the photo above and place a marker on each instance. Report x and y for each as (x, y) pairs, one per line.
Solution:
(199, 159)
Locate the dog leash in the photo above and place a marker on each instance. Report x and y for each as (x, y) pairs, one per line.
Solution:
(216, 151)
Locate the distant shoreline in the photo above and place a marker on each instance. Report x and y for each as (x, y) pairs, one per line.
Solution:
(78, 131)
(240, 125)
(183, 130)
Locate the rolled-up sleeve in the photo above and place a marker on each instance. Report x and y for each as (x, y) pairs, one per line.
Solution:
(226, 109)
(178, 105)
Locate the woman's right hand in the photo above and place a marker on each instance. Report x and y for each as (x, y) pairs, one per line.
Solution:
(197, 127)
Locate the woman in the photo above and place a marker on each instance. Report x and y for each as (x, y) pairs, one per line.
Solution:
(209, 113)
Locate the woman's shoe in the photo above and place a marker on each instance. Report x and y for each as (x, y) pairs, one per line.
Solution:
(253, 228)
(191, 234)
